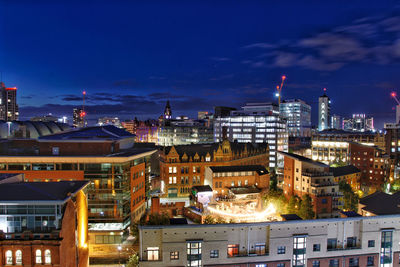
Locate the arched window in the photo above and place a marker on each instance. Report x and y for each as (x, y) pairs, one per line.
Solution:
(18, 257)
(47, 256)
(38, 256)
(9, 257)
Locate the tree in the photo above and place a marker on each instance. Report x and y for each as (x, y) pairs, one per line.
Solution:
(133, 261)
(220, 220)
(293, 206)
(273, 184)
(158, 219)
(306, 208)
(350, 199)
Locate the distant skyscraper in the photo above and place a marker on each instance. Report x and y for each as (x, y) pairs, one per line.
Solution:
(167, 111)
(78, 118)
(359, 123)
(298, 115)
(336, 122)
(324, 112)
(8, 103)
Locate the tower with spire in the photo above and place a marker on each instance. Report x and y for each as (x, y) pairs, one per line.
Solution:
(324, 109)
(167, 111)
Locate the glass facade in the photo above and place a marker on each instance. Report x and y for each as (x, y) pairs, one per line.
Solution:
(193, 253)
(386, 248)
(299, 251)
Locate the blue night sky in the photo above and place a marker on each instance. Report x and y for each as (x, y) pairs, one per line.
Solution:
(131, 57)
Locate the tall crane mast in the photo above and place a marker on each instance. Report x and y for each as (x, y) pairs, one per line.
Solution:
(279, 89)
(83, 113)
(394, 95)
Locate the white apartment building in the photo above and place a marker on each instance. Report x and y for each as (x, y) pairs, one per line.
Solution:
(298, 116)
(340, 242)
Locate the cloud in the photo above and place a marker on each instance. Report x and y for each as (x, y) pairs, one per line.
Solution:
(370, 40)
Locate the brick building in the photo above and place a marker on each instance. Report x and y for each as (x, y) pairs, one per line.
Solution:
(43, 224)
(182, 167)
(118, 173)
(303, 176)
(348, 173)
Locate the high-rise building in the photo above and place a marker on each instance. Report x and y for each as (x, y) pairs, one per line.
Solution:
(336, 122)
(255, 123)
(109, 121)
(324, 110)
(8, 103)
(359, 123)
(78, 118)
(298, 116)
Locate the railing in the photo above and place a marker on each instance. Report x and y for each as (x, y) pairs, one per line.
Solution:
(316, 174)
(345, 248)
(250, 253)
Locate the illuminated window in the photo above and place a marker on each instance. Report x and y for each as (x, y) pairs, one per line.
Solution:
(9, 257)
(47, 256)
(38, 256)
(214, 253)
(18, 257)
(174, 255)
(153, 253)
(233, 250)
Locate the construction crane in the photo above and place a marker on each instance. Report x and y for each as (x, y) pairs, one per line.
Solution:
(83, 113)
(394, 96)
(279, 89)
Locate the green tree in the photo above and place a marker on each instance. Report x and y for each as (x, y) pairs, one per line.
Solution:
(158, 219)
(350, 199)
(293, 205)
(273, 181)
(306, 208)
(133, 261)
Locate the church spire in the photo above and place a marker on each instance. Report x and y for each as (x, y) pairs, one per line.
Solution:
(167, 111)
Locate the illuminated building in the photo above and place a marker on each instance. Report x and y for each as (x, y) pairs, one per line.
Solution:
(43, 223)
(182, 167)
(78, 118)
(302, 176)
(298, 116)
(348, 173)
(109, 121)
(336, 122)
(373, 164)
(184, 131)
(330, 146)
(392, 142)
(351, 241)
(255, 123)
(324, 109)
(167, 111)
(359, 123)
(8, 103)
(106, 156)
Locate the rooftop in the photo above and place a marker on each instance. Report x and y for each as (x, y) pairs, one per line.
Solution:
(40, 191)
(261, 170)
(303, 159)
(202, 188)
(107, 132)
(380, 203)
(343, 170)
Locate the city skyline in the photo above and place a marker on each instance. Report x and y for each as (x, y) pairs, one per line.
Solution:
(132, 58)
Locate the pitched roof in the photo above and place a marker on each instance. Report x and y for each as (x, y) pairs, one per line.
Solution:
(261, 170)
(40, 191)
(303, 159)
(344, 170)
(107, 132)
(380, 203)
(202, 188)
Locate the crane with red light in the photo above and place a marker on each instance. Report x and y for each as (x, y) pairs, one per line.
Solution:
(83, 112)
(279, 89)
(394, 96)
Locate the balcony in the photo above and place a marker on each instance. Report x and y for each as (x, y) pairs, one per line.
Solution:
(344, 248)
(316, 174)
(250, 253)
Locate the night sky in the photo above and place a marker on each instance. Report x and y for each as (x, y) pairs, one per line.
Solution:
(132, 57)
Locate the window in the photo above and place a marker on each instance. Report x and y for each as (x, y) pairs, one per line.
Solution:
(280, 265)
(47, 256)
(386, 248)
(334, 263)
(233, 250)
(331, 243)
(299, 251)
(281, 250)
(55, 150)
(351, 242)
(260, 249)
(315, 264)
(371, 243)
(316, 247)
(370, 261)
(261, 265)
(214, 253)
(324, 201)
(9, 257)
(153, 253)
(353, 262)
(18, 257)
(174, 255)
(194, 253)
(38, 256)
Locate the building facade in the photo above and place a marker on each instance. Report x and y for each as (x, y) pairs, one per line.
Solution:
(182, 167)
(356, 241)
(303, 176)
(359, 123)
(255, 123)
(298, 116)
(8, 103)
(78, 118)
(336, 122)
(324, 109)
(43, 224)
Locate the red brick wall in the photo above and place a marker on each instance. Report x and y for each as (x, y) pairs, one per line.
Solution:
(135, 183)
(50, 175)
(288, 177)
(78, 148)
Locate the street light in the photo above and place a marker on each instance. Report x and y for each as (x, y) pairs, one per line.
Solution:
(119, 255)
